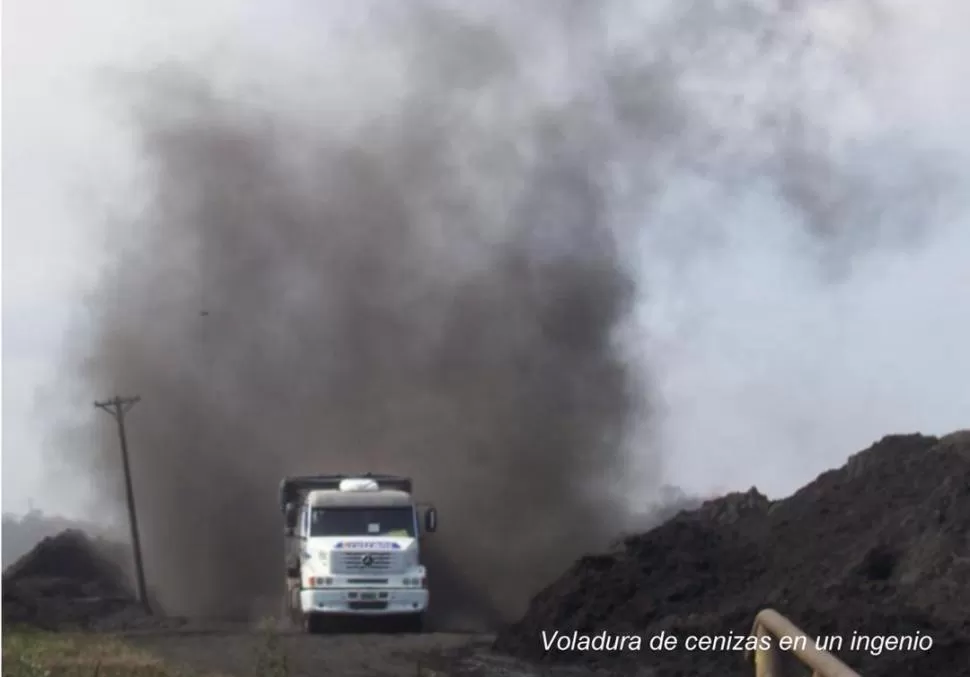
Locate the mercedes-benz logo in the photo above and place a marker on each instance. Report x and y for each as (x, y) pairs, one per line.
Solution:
(367, 560)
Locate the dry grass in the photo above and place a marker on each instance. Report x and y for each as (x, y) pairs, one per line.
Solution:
(33, 653)
(29, 653)
(271, 659)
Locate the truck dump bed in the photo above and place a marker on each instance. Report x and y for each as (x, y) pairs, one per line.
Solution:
(293, 488)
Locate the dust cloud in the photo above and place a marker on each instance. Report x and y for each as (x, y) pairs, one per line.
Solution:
(431, 256)
(429, 294)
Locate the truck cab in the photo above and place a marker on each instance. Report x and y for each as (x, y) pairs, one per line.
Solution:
(354, 549)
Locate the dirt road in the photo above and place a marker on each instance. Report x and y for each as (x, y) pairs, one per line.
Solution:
(243, 652)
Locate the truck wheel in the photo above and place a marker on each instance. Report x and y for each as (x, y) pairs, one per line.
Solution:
(313, 624)
(414, 624)
(291, 604)
(286, 610)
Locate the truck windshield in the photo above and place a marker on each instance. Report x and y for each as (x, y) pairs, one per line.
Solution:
(362, 522)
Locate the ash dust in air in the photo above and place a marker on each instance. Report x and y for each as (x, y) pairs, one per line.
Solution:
(432, 292)
(420, 263)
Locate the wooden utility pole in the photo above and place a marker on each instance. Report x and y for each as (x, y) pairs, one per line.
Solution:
(118, 407)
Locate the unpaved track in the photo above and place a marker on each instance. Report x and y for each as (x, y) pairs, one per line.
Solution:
(245, 651)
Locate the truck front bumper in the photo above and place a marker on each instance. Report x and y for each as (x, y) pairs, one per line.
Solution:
(364, 601)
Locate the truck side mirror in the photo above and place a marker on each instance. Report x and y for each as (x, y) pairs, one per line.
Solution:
(430, 520)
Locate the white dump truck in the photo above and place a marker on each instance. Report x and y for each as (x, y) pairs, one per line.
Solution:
(353, 549)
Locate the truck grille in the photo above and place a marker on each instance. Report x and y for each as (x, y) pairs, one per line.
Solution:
(366, 562)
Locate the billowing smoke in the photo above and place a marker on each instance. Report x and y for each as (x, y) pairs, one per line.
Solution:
(459, 248)
(432, 291)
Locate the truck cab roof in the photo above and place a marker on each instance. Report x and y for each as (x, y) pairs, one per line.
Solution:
(334, 498)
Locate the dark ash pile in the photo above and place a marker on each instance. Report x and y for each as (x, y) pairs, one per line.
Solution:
(879, 546)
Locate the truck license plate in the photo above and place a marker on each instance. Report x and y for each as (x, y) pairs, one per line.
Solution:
(368, 595)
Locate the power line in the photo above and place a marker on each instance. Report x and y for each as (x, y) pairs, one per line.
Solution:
(118, 407)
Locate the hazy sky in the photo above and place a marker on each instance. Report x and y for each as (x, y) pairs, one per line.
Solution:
(768, 373)
(60, 155)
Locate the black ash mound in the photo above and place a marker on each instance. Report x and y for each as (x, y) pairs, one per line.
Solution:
(69, 582)
(879, 546)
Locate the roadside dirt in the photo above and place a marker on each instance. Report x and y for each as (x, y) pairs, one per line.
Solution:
(243, 652)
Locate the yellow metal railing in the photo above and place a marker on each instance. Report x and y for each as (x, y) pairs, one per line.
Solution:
(774, 661)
